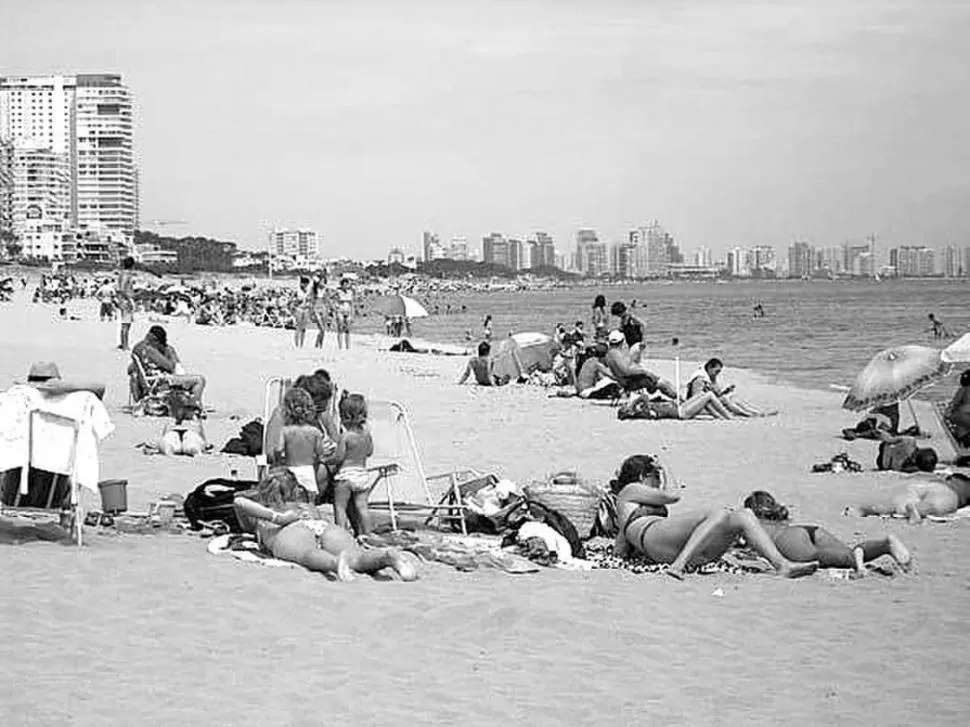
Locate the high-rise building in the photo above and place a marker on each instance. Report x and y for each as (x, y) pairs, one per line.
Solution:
(458, 249)
(913, 261)
(545, 251)
(655, 249)
(763, 258)
(703, 257)
(495, 249)
(801, 260)
(952, 263)
(515, 254)
(591, 254)
(41, 190)
(301, 245)
(432, 248)
(623, 260)
(6, 189)
(86, 119)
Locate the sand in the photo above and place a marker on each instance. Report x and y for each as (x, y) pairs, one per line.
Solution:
(137, 629)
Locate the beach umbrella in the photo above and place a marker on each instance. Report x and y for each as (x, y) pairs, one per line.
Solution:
(958, 351)
(400, 305)
(894, 375)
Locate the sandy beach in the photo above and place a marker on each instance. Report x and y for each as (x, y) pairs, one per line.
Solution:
(135, 629)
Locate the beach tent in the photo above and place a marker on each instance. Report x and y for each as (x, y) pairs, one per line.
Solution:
(523, 353)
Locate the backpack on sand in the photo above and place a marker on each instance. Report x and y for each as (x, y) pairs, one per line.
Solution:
(212, 502)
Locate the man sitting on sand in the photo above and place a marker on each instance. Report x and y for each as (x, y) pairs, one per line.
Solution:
(481, 368)
(902, 454)
(594, 380)
(705, 380)
(158, 358)
(632, 376)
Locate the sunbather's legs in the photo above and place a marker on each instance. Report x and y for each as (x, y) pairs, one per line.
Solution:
(743, 409)
(298, 544)
(701, 403)
(339, 541)
(806, 543)
(192, 443)
(718, 531)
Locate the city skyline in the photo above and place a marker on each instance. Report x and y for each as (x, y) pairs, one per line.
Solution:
(735, 124)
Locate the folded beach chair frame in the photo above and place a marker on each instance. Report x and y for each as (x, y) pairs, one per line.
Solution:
(273, 394)
(450, 508)
(75, 507)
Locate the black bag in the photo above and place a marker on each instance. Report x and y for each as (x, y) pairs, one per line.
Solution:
(554, 519)
(212, 502)
(249, 442)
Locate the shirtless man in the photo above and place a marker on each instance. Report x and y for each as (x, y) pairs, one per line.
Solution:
(632, 376)
(156, 356)
(481, 368)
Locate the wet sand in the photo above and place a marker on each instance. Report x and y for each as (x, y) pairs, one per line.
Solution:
(140, 628)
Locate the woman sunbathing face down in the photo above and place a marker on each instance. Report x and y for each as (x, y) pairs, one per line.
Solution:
(929, 496)
(806, 542)
(186, 435)
(289, 528)
(643, 494)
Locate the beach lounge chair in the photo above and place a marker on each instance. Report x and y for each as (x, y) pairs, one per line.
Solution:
(941, 425)
(399, 472)
(45, 492)
(931, 420)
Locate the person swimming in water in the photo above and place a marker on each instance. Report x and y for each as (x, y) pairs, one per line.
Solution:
(937, 328)
(759, 310)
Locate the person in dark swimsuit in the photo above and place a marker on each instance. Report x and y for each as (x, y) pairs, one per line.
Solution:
(813, 542)
(683, 540)
(632, 328)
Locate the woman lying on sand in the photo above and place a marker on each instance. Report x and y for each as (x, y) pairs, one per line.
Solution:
(643, 407)
(683, 540)
(938, 497)
(289, 528)
(812, 542)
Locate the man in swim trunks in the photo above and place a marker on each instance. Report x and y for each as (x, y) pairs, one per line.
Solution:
(633, 376)
(594, 380)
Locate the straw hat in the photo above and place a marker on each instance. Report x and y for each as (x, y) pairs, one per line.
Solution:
(42, 371)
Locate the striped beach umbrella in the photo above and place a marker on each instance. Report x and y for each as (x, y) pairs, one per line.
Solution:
(895, 375)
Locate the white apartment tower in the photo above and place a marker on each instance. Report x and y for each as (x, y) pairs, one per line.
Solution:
(86, 120)
(301, 245)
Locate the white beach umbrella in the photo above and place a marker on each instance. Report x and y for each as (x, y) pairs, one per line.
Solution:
(958, 351)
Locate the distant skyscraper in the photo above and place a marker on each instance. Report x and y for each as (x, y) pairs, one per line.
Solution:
(495, 249)
(912, 261)
(801, 260)
(458, 250)
(86, 119)
(432, 248)
(703, 257)
(545, 251)
(6, 187)
(952, 264)
(591, 254)
(41, 190)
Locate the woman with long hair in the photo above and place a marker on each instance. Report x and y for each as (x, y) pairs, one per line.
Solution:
(813, 542)
(643, 495)
(319, 307)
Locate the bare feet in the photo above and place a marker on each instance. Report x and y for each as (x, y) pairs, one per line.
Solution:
(797, 570)
(344, 572)
(402, 566)
(899, 552)
(621, 548)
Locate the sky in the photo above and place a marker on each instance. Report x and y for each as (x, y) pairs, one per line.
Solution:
(732, 123)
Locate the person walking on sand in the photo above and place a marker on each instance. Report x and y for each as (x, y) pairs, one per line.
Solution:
(642, 496)
(487, 329)
(806, 542)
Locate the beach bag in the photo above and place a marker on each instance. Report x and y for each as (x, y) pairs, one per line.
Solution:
(533, 510)
(212, 502)
(570, 495)
(249, 442)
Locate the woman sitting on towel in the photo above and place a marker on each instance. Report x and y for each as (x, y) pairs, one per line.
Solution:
(642, 496)
(934, 497)
(289, 528)
(812, 542)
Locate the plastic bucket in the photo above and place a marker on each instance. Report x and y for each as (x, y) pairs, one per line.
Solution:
(114, 495)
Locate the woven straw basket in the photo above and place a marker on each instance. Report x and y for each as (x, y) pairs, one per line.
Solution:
(569, 495)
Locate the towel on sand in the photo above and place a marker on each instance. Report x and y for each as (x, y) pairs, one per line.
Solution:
(244, 547)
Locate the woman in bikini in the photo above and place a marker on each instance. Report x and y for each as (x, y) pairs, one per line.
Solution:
(929, 496)
(642, 497)
(289, 528)
(345, 312)
(803, 541)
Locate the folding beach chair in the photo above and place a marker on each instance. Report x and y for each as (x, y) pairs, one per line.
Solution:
(960, 451)
(273, 394)
(155, 386)
(33, 492)
(397, 467)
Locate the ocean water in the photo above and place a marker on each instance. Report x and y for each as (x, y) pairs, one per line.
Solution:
(814, 334)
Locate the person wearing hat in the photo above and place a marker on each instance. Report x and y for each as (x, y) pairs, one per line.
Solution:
(159, 358)
(633, 376)
(46, 378)
(632, 328)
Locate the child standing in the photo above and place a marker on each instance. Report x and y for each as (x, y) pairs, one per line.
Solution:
(303, 446)
(353, 481)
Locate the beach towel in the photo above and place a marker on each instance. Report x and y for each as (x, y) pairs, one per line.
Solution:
(599, 552)
(245, 548)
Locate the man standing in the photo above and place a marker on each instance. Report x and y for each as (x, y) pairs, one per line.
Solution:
(125, 300)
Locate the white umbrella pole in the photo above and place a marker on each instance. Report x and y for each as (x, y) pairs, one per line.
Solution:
(677, 376)
(912, 413)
